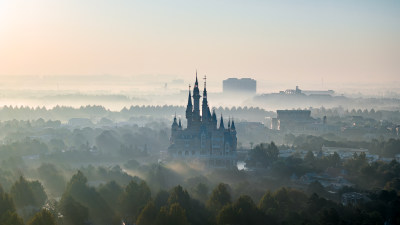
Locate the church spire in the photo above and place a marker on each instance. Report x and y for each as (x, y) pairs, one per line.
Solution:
(190, 97)
(196, 83)
(196, 101)
(205, 88)
(189, 109)
(221, 123)
(205, 109)
(174, 124)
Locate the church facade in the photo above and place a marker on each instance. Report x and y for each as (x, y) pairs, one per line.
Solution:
(203, 140)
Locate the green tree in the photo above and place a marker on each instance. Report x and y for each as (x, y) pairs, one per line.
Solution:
(11, 218)
(52, 178)
(195, 212)
(220, 197)
(38, 193)
(111, 192)
(73, 213)
(394, 184)
(333, 160)
(179, 195)
(22, 193)
(309, 158)
(268, 204)
(148, 215)
(200, 192)
(43, 217)
(329, 216)
(135, 197)
(28, 193)
(99, 211)
(289, 138)
(243, 211)
(6, 203)
(263, 155)
(161, 199)
(8, 216)
(175, 215)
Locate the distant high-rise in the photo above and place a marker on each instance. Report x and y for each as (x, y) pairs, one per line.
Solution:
(235, 85)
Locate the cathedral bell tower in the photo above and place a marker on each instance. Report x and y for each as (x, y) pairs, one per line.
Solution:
(205, 111)
(189, 110)
(196, 101)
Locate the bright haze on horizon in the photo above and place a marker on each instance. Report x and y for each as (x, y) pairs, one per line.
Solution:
(315, 44)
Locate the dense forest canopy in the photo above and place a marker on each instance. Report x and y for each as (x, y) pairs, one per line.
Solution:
(91, 165)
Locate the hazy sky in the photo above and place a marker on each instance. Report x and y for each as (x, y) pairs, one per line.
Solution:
(274, 41)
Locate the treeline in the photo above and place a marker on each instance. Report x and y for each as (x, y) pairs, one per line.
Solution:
(50, 139)
(382, 147)
(365, 175)
(134, 203)
(64, 113)
(392, 116)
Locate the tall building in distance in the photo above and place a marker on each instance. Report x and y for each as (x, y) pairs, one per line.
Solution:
(239, 86)
(203, 140)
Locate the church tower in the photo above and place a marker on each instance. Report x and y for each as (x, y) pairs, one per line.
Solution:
(203, 140)
(189, 110)
(205, 110)
(196, 101)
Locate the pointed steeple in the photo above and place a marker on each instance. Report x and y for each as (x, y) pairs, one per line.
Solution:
(205, 109)
(174, 124)
(190, 97)
(229, 123)
(189, 109)
(221, 123)
(213, 119)
(214, 116)
(205, 88)
(197, 82)
(180, 123)
(233, 125)
(196, 100)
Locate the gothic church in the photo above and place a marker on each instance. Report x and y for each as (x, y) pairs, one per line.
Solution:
(203, 140)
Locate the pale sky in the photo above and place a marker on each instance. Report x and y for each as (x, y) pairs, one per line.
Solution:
(299, 41)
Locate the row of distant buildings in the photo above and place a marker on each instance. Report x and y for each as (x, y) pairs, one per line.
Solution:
(249, 86)
(298, 91)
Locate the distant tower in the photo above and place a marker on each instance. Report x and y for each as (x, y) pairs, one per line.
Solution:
(189, 110)
(175, 125)
(221, 123)
(174, 131)
(214, 119)
(205, 110)
(196, 101)
(233, 134)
